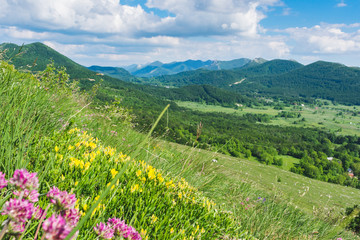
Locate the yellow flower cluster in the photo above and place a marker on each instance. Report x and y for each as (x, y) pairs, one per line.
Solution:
(74, 162)
(109, 151)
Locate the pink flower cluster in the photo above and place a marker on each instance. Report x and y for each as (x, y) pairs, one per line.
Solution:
(18, 210)
(3, 181)
(115, 227)
(60, 224)
(62, 199)
(21, 209)
(22, 179)
(56, 227)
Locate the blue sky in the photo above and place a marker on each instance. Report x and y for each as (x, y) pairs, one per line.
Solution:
(119, 33)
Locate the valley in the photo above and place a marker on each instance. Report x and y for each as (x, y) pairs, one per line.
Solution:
(268, 157)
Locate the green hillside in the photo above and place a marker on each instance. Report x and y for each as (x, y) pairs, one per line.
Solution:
(264, 200)
(77, 147)
(279, 78)
(325, 80)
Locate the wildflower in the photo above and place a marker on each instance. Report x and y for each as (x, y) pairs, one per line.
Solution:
(18, 210)
(122, 230)
(151, 173)
(38, 212)
(153, 219)
(16, 228)
(133, 234)
(23, 179)
(85, 207)
(32, 196)
(113, 172)
(119, 226)
(62, 199)
(143, 232)
(56, 148)
(138, 173)
(160, 178)
(71, 216)
(135, 187)
(3, 181)
(71, 147)
(171, 230)
(56, 228)
(104, 231)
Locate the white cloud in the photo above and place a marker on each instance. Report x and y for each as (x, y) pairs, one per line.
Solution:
(341, 4)
(191, 17)
(325, 39)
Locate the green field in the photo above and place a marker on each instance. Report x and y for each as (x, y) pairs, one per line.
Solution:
(334, 118)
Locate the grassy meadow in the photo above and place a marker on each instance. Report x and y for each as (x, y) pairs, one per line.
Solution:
(163, 190)
(334, 118)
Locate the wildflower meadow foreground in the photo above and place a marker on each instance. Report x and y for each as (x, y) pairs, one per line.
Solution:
(141, 204)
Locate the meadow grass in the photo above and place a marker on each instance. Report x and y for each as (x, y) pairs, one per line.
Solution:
(162, 189)
(334, 118)
(107, 182)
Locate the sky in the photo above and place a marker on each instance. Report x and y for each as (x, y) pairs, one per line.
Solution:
(120, 33)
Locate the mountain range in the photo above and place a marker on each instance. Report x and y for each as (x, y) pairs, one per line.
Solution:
(157, 68)
(258, 77)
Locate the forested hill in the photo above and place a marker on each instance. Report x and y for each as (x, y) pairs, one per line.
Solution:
(227, 78)
(280, 78)
(325, 80)
(35, 57)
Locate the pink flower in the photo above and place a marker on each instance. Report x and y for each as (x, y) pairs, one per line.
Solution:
(32, 196)
(16, 227)
(24, 180)
(133, 234)
(71, 216)
(119, 226)
(18, 210)
(104, 230)
(121, 229)
(62, 199)
(56, 228)
(38, 212)
(3, 181)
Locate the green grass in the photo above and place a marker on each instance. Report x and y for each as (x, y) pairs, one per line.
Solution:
(107, 182)
(325, 117)
(60, 158)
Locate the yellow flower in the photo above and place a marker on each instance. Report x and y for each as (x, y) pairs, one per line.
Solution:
(113, 172)
(202, 230)
(153, 219)
(97, 197)
(143, 232)
(62, 177)
(172, 230)
(56, 148)
(92, 145)
(87, 165)
(71, 147)
(85, 207)
(76, 183)
(151, 173)
(138, 173)
(134, 188)
(160, 178)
